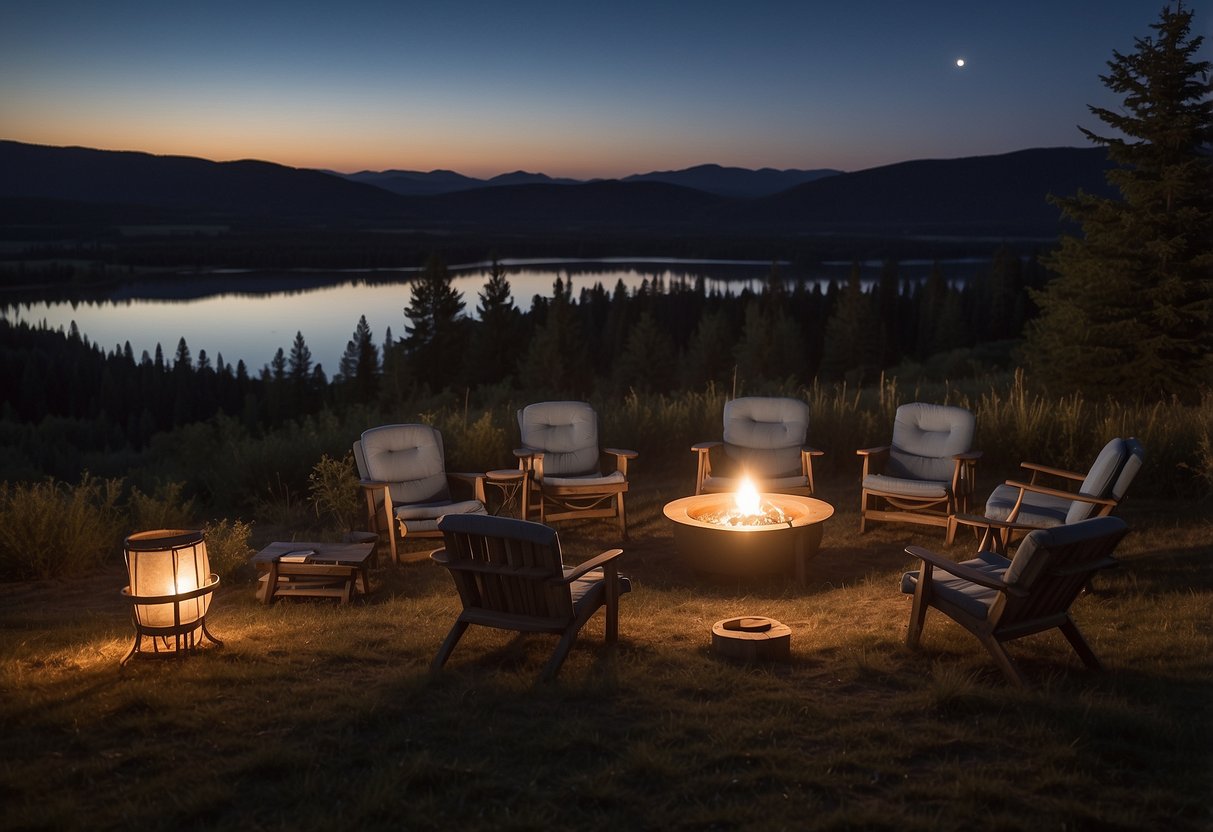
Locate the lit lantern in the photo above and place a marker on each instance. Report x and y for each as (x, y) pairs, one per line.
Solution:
(170, 589)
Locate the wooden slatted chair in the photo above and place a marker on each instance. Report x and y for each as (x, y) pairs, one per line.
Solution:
(510, 575)
(570, 476)
(999, 600)
(1016, 508)
(402, 471)
(763, 438)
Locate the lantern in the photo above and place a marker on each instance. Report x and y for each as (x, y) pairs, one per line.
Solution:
(170, 589)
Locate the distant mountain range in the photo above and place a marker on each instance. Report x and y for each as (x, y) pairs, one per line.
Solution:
(712, 179)
(1002, 195)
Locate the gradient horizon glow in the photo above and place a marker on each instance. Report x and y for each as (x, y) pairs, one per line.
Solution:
(567, 89)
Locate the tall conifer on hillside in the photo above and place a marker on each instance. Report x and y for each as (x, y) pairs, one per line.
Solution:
(1129, 309)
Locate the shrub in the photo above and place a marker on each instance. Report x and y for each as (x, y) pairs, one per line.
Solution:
(334, 490)
(49, 529)
(227, 545)
(165, 509)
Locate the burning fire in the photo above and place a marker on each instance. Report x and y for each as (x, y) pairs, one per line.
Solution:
(749, 509)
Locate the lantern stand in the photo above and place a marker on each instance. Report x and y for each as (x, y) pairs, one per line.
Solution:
(170, 590)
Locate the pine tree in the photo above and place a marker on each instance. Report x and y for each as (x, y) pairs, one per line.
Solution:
(1129, 309)
(492, 354)
(851, 351)
(435, 310)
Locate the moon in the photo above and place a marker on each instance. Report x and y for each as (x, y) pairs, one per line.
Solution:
(960, 61)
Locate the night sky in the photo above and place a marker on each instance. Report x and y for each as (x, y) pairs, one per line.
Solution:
(569, 88)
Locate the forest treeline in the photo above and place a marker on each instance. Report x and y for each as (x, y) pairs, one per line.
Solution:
(603, 341)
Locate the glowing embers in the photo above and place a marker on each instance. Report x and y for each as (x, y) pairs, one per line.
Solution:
(748, 509)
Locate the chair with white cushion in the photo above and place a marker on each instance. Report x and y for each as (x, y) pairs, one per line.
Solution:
(764, 439)
(926, 475)
(1016, 507)
(570, 476)
(402, 471)
(999, 599)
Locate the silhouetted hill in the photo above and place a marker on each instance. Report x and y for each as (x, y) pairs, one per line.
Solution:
(244, 188)
(732, 181)
(980, 194)
(1001, 195)
(605, 203)
(414, 182)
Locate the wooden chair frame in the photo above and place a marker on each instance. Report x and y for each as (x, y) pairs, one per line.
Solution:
(907, 508)
(1017, 611)
(518, 583)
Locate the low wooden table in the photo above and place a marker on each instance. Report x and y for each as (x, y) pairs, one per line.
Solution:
(332, 570)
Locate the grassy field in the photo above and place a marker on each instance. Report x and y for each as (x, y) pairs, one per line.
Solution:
(319, 716)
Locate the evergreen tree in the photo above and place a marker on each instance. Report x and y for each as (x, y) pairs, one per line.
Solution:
(492, 355)
(1129, 309)
(435, 336)
(851, 350)
(557, 359)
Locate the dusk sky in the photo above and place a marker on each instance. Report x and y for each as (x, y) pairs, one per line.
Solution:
(580, 89)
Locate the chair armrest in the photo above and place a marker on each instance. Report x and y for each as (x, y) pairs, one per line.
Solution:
(621, 457)
(874, 459)
(1037, 468)
(372, 484)
(526, 453)
(883, 449)
(474, 481)
(812, 451)
(621, 452)
(1058, 492)
(967, 456)
(958, 569)
(701, 447)
(590, 565)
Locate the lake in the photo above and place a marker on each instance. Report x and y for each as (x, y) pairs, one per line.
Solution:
(249, 315)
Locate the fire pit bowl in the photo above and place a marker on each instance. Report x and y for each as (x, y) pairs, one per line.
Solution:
(738, 550)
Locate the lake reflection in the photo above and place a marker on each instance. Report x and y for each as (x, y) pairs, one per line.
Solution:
(248, 316)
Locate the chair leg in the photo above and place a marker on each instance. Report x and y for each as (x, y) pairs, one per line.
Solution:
(863, 507)
(562, 651)
(1003, 660)
(918, 612)
(1070, 630)
(951, 535)
(452, 638)
(623, 517)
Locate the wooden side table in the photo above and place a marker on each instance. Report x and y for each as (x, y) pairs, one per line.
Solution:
(330, 570)
(513, 483)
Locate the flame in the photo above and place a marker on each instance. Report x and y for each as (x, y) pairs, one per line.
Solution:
(747, 499)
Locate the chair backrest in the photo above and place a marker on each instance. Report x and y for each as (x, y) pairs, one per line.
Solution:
(1053, 565)
(410, 457)
(1109, 476)
(503, 565)
(765, 435)
(925, 437)
(566, 432)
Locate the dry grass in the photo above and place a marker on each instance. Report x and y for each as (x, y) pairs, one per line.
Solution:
(314, 715)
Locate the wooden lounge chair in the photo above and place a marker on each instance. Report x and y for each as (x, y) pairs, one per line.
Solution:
(926, 475)
(998, 600)
(402, 471)
(763, 438)
(571, 478)
(510, 575)
(1016, 508)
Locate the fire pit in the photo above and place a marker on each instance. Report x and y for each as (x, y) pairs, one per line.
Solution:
(747, 534)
